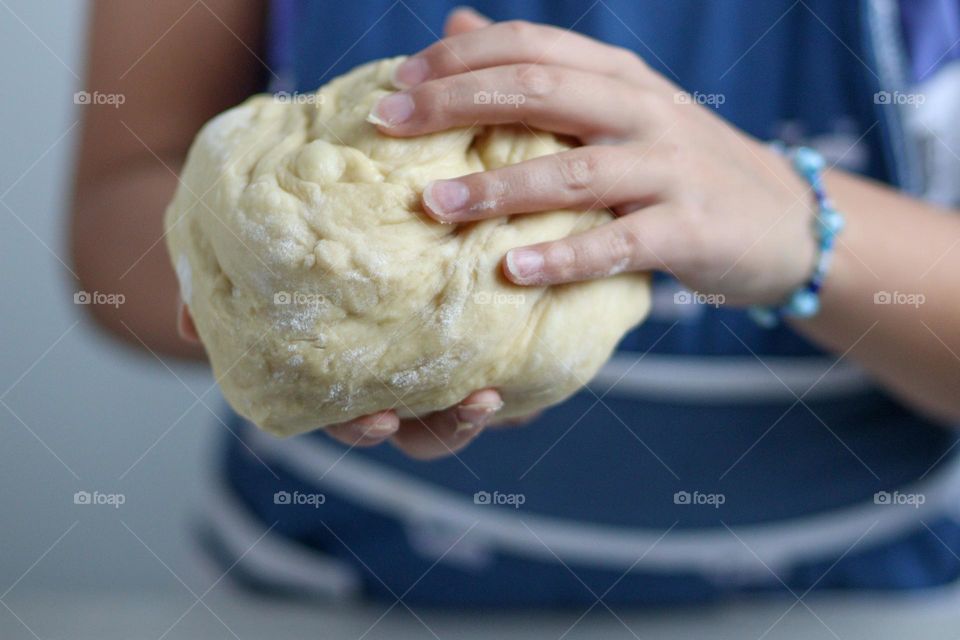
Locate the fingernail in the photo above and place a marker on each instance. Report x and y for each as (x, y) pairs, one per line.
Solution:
(391, 110)
(524, 264)
(410, 72)
(476, 415)
(444, 197)
(376, 431)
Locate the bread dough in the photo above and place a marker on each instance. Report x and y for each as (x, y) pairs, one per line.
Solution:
(322, 292)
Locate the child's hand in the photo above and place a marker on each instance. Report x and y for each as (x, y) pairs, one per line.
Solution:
(695, 197)
(435, 435)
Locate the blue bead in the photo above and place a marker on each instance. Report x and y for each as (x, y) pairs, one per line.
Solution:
(831, 222)
(807, 161)
(803, 304)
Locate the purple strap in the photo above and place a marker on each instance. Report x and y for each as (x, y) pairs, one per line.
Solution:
(931, 30)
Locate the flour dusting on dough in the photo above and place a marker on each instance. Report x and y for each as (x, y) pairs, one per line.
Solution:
(619, 267)
(324, 293)
(185, 278)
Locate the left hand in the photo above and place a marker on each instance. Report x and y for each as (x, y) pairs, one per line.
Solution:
(693, 195)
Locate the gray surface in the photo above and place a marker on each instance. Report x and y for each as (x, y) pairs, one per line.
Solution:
(223, 614)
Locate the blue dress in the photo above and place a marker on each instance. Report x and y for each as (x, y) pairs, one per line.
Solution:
(708, 459)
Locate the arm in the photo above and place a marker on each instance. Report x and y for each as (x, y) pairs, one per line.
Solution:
(895, 244)
(129, 156)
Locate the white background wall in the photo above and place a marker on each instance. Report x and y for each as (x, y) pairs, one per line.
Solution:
(81, 397)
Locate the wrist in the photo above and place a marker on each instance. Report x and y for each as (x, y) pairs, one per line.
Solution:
(809, 254)
(799, 248)
(847, 273)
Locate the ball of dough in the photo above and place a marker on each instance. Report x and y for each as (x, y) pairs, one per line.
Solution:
(322, 292)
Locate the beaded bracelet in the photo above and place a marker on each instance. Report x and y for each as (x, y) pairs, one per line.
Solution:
(804, 302)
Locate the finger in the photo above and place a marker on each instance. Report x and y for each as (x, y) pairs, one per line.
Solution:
(555, 99)
(582, 178)
(434, 436)
(463, 20)
(481, 48)
(366, 431)
(639, 241)
(185, 326)
(445, 432)
(479, 407)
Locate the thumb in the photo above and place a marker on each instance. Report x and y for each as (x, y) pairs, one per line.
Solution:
(464, 19)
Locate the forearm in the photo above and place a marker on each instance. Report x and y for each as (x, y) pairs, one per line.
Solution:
(891, 301)
(129, 153)
(118, 248)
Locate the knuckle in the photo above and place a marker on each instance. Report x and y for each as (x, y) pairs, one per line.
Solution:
(690, 225)
(589, 256)
(628, 57)
(677, 165)
(433, 100)
(437, 57)
(536, 80)
(655, 108)
(651, 109)
(520, 31)
(490, 187)
(625, 242)
(672, 153)
(578, 170)
(561, 260)
(613, 251)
